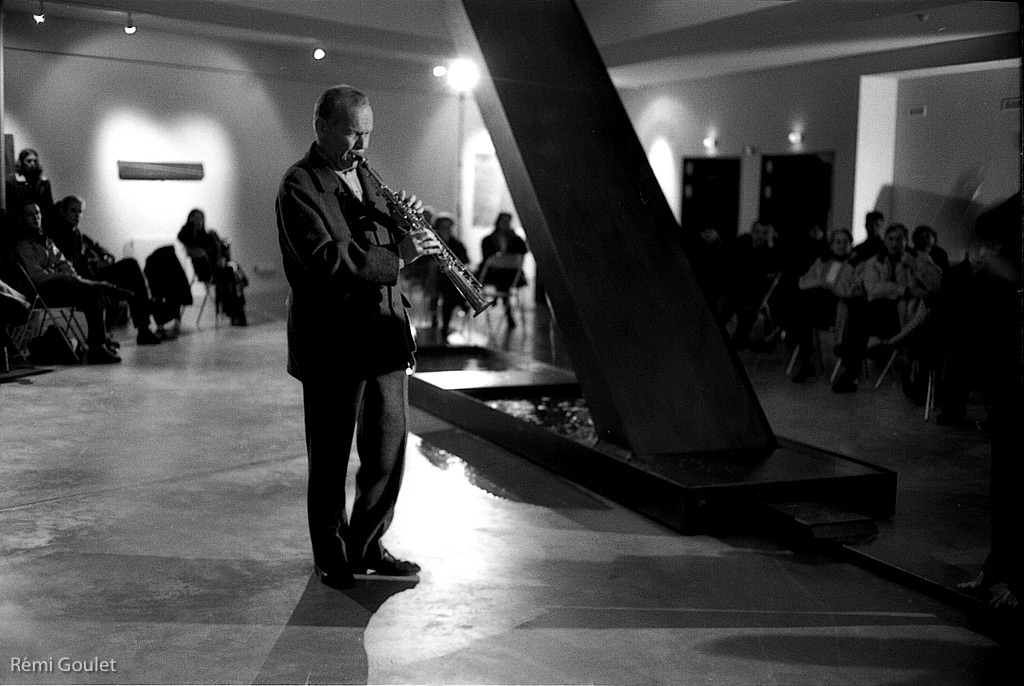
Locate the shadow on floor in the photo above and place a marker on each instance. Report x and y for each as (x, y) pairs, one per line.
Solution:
(323, 641)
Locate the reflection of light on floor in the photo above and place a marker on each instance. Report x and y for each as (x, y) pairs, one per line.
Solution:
(460, 469)
(443, 497)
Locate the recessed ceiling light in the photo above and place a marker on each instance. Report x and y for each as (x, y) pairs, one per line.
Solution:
(319, 54)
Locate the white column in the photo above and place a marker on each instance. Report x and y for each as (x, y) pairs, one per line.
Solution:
(876, 147)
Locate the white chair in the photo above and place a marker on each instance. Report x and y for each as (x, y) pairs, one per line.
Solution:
(202, 272)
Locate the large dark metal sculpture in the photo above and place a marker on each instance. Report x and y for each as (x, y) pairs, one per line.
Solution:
(654, 366)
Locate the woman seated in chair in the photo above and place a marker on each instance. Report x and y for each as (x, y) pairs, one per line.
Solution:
(503, 240)
(829, 280)
(211, 258)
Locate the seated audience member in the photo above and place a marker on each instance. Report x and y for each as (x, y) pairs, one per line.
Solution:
(896, 285)
(451, 298)
(169, 287)
(503, 240)
(829, 281)
(711, 266)
(968, 306)
(756, 263)
(874, 244)
(28, 185)
(93, 261)
(211, 258)
(801, 253)
(798, 254)
(59, 285)
(925, 239)
(996, 259)
(976, 316)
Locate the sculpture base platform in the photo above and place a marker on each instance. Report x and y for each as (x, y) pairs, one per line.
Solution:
(689, 493)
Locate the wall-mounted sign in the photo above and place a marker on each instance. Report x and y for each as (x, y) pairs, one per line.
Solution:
(160, 171)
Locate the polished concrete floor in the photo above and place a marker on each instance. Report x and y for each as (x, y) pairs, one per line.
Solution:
(940, 532)
(152, 515)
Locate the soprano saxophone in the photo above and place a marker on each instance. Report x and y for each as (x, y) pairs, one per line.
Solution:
(451, 266)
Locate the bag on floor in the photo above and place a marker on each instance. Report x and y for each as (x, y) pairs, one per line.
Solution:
(53, 348)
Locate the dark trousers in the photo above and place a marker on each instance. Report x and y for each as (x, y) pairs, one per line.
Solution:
(812, 309)
(375, 411)
(966, 364)
(867, 318)
(69, 291)
(128, 274)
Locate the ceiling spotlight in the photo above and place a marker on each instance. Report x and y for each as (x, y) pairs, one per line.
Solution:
(440, 70)
(40, 16)
(129, 27)
(319, 54)
(796, 137)
(463, 75)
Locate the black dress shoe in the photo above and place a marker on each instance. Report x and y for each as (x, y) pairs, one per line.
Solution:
(805, 372)
(147, 337)
(339, 580)
(389, 565)
(845, 384)
(101, 354)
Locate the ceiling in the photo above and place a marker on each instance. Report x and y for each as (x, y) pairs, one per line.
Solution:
(643, 42)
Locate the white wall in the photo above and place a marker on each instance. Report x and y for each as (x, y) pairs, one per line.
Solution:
(759, 109)
(86, 95)
(961, 155)
(876, 149)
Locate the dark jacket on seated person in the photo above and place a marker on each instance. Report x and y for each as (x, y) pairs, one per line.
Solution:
(211, 259)
(59, 285)
(86, 255)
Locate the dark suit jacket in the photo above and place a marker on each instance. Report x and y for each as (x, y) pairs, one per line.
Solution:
(346, 311)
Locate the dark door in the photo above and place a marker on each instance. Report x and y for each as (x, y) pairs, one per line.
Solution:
(711, 195)
(796, 192)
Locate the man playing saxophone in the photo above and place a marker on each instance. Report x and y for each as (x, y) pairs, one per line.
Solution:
(349, 339)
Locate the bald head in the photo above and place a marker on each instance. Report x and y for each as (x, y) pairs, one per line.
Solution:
(343, 121)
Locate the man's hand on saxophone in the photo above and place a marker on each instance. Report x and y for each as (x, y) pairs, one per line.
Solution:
(422, 240)
(425, 242)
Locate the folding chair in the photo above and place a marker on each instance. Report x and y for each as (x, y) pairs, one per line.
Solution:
(929, 399)
(923, 315)
(506, 263)
(14, 307)
(66, 324)
(202, 271)
(764, 330)
(816, 344)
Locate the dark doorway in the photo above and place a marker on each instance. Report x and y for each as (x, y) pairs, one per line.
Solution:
(711, 195)
(796, 192)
